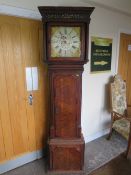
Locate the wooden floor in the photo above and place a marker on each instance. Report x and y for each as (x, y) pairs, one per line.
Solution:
(118, 166)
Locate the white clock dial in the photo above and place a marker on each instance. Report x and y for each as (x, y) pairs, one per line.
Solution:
(65, 42)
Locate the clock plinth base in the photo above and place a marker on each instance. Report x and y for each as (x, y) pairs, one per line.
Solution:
(66, 156)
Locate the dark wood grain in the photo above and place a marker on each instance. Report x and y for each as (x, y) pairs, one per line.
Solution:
(66, 144)
(70, 14)
(67, 155)
(66, 88)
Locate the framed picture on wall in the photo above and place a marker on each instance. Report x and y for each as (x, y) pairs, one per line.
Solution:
(101, 54)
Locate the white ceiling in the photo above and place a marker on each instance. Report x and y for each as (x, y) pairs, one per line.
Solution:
(123, 6)
(120, 5)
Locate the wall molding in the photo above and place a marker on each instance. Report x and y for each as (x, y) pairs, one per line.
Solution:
(19, 161)
(19, 12)
(96, 136)
(107, 7)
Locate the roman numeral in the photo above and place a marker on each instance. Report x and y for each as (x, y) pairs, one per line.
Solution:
(65, 31)
(70, 32)
(73, 47)
(60, 51)
(75, 41)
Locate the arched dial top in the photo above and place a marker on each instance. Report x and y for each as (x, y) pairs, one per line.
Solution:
(65, 41)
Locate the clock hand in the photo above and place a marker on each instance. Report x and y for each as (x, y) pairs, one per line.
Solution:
(74, 36)
(75, 41)
(74, 47)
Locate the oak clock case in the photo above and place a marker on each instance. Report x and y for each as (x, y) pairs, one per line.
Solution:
(65, 41)
(66, 46)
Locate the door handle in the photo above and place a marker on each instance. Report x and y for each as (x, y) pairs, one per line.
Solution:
(30, 99)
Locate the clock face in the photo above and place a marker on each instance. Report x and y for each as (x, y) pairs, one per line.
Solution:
(65, 41)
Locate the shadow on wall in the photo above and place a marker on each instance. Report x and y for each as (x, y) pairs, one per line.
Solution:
(107, 106)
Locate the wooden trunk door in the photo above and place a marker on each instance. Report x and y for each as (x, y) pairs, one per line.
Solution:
(124, 66)
(67, 95)
(67, 158)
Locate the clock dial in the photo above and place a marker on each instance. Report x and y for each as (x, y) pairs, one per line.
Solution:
(65, 42)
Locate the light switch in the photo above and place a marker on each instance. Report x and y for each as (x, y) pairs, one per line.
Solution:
(29, 79)
(129, 47)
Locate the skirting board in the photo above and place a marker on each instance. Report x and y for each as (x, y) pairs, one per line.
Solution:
(19, 161)
(11, 164)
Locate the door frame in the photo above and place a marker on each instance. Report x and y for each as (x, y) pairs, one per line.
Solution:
(126, 31)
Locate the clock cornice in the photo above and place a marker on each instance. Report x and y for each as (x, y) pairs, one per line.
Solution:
(70, 14)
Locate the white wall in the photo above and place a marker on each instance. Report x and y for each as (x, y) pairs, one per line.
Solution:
(104, 23)
(95, 97)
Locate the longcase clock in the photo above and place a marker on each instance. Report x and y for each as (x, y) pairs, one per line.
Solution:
(66, 31)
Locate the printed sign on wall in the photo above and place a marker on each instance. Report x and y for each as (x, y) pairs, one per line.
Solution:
(101, 54)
